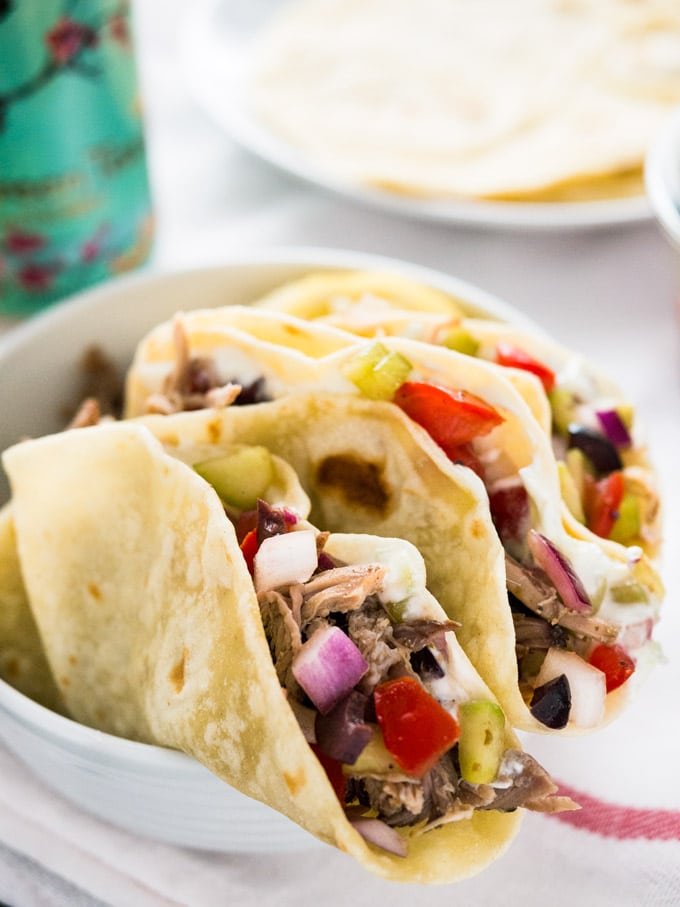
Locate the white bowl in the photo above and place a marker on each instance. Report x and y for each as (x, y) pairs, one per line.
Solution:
(662, 179)
(146, 789)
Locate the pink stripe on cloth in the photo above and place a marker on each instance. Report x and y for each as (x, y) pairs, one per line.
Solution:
(620, 822)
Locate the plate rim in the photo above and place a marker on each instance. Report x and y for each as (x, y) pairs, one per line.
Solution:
(197, 32)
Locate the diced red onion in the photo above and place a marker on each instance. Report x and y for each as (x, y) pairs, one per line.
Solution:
(343, 733)
(328, 666)
(290, 517)
(634, 636)
(326, 562)
(587, 685)
(556, 565)
(376, 832)
(614, 427)
(285, 559)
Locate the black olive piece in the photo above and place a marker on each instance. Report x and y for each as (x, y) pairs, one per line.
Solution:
(551, 703)
(599, 450)
(252, 393)
(426, 665)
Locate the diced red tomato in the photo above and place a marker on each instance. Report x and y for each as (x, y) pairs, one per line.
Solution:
(249, 548)
(511, 355)
(602, 502)
(417, 730)
(246, 521)
(451, 417)
(614, 662)
(465, 455)
(333, 769)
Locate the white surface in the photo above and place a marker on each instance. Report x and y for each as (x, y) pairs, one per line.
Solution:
(609, 293)
(215, 52)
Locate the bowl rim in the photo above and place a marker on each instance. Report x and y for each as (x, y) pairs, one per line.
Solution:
(296, 257)
(61, 729)
(67, 732)
(663, 155)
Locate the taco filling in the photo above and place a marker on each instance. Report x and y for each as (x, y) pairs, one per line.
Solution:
(572, 648)
(368, 663)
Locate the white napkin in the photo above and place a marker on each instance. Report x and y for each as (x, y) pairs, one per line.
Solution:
(550, 862)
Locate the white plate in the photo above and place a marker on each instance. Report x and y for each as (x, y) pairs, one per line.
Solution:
(662, 178)
(215, 42)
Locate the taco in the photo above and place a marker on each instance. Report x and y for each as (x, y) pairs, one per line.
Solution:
(581, 611)
(297, 684)
(599, 443)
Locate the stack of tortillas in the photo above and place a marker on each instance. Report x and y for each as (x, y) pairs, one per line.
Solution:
(525, 100)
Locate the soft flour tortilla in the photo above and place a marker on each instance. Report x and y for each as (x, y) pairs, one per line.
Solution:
(23, 664)
(318, 294)
(535, 100)
(152, 625)
(522, 444)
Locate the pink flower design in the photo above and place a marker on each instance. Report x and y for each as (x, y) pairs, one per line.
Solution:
(92, 247)
(68, 37)
(20, 242)
(36, 278)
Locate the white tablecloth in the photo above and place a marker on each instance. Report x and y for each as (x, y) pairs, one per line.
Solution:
(609, 293)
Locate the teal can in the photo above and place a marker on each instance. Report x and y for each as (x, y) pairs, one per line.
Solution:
(74, 192)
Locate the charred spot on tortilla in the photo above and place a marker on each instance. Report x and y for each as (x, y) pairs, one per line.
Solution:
(94, 591)
(477, 529)
(294, 782)
(177, 672)
(214, 430)
(294, 330)
(359, 482)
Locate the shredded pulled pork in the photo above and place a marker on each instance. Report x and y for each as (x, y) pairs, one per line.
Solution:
(88, 414)
(371, 630)
(521, 781)
(284, 637)
(531, 586)
(441, 796)
(348, 596)
(293, 614)
(342, 589)
(193, 382)
(402, 801)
